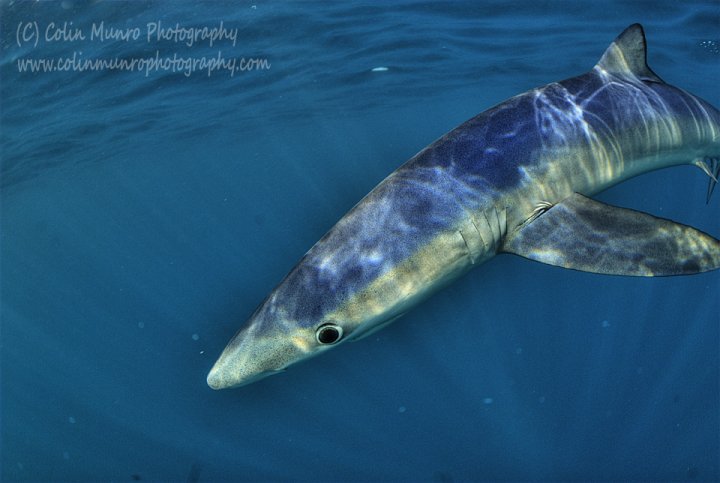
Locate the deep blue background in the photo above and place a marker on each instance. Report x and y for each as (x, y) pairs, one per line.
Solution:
(144, 218)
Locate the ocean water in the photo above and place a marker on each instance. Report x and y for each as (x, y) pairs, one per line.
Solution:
(146, 214)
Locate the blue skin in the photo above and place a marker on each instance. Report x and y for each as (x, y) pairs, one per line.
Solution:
(582, 134)
(455, 174)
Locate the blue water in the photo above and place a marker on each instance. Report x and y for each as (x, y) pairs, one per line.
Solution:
(145, 217)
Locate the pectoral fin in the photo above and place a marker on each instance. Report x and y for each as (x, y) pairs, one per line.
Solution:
(583, 234)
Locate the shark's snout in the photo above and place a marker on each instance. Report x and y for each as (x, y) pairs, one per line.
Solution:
(214, 379)
(235, 369)
(221, 377)
(259, 350)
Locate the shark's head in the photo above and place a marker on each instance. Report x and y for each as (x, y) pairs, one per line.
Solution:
(272, 340)
(329, 297)
(354, 281)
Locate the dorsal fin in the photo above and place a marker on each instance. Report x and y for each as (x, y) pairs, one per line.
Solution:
(627, 55)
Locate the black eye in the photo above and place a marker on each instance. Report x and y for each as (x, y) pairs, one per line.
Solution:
(328, 333)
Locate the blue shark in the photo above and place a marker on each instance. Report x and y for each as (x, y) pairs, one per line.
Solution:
(515, 179)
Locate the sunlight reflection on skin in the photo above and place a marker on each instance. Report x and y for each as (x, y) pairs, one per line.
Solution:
(455, 203)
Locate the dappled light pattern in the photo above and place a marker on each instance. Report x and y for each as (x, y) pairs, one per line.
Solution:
(492, 184)
(583, 234)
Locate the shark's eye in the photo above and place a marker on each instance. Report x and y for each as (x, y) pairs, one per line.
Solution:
(328, 333)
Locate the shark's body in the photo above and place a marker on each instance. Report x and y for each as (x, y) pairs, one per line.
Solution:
(513, 179)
